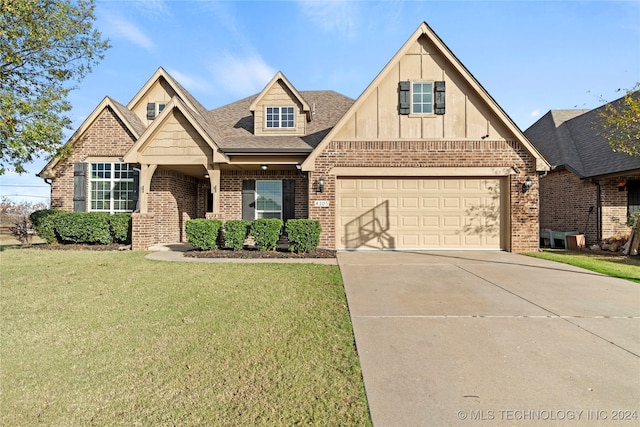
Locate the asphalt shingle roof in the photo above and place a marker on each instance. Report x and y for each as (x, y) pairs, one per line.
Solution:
(133, 120)
(235, 124)
(571, 138)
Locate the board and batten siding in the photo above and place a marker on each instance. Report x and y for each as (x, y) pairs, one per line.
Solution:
(279, 96)
(467, 116)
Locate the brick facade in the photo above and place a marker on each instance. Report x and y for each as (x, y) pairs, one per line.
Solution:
(614, 204)
(108, 137)
(461, 154)
(173, 199)
(231, 190)
(569, 203)
(143, 231)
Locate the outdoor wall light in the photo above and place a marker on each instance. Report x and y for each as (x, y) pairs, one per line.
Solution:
(264, 167)
(320, 185)
(526, 185)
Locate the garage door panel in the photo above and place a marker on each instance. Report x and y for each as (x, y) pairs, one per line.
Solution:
(450, 202)
(430, 184)
(409, 184)
(412, 221)
(368, 202)
(451, 184)
(409, 202)
(431, 202)
(419, 213)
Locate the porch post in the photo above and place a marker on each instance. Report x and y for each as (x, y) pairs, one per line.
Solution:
(214, 178)
(146, 173)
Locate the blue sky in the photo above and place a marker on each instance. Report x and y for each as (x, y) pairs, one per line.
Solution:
(530, 56)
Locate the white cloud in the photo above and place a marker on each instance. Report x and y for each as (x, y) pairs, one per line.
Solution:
(194, 84)
(242, 75)
(154, 7)
(535, 113)
(119, 27)
(333, 16)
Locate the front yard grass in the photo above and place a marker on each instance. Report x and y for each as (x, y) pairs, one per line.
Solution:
(110, 338)
(614, 265)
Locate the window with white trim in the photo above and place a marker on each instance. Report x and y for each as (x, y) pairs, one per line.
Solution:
(269, 199)
(422, 98)
(279, 117)
(111, 187)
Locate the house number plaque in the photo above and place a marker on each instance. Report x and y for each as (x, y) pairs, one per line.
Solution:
(321, 203)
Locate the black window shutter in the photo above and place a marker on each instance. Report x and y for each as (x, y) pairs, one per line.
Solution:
(151, 110)
(439, 103)
(249, 199)
(404, 106)
(288, 199)
(136, 190)
(79, 187)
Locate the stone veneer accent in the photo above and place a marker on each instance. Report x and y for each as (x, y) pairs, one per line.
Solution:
(524, 207)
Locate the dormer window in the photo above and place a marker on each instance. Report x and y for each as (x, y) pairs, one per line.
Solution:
(154, 108)
(279, 117)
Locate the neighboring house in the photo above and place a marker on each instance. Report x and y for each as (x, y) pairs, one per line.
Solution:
(423, 159)
(590, 189)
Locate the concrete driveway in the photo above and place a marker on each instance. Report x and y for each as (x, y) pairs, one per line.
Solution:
(486, 338)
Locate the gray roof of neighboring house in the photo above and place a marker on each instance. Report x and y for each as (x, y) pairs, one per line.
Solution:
(571, 138)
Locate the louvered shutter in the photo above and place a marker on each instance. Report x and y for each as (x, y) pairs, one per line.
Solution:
(404, 105)
(439, 101)
(151, 111)
(80, 187)
(288, 199)
(249, 199)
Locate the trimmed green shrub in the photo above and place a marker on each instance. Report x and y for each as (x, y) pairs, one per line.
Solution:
(203, 233)
(235, 233)
(266, 233)
(120, 225)
(303, 234)
(43, 221)
(84, 227)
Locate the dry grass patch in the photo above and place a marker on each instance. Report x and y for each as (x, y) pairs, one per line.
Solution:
(95, 338)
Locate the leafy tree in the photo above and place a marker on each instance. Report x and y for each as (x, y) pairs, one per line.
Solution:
(621, 123)
(44, 46)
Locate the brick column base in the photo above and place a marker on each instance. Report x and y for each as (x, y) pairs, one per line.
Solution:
(143, 231)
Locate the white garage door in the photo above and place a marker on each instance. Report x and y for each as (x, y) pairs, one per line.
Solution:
(419, 213)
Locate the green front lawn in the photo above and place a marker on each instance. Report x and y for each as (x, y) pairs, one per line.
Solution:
(110, 338)
(614, 265)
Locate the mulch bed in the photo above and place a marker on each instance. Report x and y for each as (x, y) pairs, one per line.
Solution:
(82, 247)
(247, 253)
(254, 253)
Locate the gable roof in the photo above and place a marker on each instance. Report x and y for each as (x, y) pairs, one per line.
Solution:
(425, 30)
(189, 99)
(236, 125)
(128, 118)
(198, 123)
(572, 139)
(281, 77)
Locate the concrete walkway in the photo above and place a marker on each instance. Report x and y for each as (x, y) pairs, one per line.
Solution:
(493, 338)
